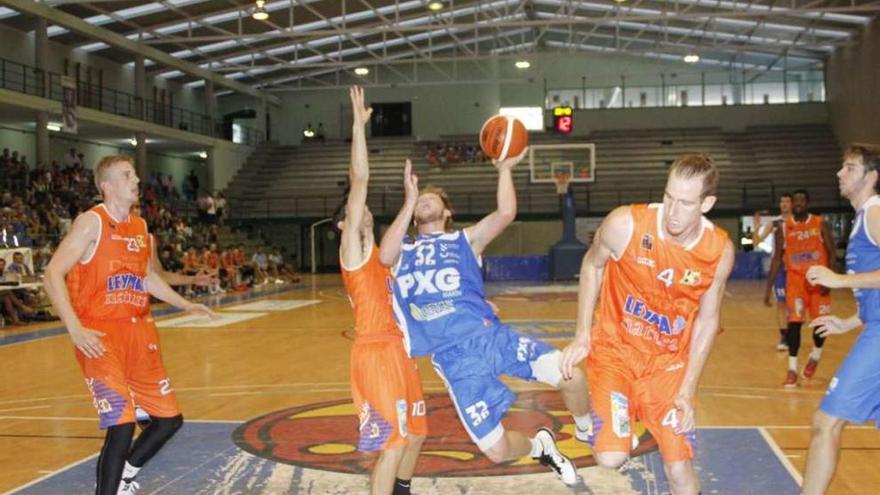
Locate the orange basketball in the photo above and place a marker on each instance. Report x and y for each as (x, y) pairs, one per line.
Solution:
(503, 137)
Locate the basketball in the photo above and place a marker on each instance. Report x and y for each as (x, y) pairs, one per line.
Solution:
(502, 137)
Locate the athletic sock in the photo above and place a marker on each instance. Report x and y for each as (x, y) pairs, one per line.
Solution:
(537, 448)
(401, 487)
(129, 471)
(792, 363)
(816, 353)
(584, 423)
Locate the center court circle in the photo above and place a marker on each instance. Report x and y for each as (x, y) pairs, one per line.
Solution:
(324, 436)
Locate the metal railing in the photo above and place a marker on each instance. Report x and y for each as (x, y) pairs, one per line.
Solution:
(36, 82)
(696, 94)
(745, 198)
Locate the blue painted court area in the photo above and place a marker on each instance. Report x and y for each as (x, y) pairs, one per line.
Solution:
(202, 459)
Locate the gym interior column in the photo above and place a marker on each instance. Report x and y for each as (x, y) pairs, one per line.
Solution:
(41, 59)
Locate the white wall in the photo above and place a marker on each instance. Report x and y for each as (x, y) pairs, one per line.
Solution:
(19, 46)
(461, 108)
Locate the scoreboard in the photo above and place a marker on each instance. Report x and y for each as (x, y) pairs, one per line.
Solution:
(563, 120)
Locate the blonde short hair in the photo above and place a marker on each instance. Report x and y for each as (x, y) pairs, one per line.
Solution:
(698, 165)
(104, 165)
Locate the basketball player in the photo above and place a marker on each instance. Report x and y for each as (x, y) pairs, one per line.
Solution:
(762, 232)
(440, 305)
(658, 274)
(104, 303)
(804, 241)
(854, 393)
(385, 383)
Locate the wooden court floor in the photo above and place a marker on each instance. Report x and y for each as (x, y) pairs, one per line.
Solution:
(293, 358)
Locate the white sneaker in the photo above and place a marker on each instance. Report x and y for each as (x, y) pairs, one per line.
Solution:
(551, 457)
(128, 487)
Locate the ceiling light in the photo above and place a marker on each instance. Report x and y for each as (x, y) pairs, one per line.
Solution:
(260, 13)
(133, 142)
(435, 6)
(309, 133)
(362, 71)
(203, 155)
(522, 64)
(619, 1)
(53, 126)
(691, 58)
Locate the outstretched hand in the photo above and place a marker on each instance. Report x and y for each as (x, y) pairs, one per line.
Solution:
(361, 113)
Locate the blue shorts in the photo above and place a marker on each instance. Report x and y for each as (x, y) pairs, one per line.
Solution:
(779, 285)
(854, 392)
(471, 370)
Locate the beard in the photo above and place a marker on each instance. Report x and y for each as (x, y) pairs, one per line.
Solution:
(423, 217)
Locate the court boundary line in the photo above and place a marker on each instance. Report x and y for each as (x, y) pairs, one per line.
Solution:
(786, 462)
(53, 473)
(47, 333)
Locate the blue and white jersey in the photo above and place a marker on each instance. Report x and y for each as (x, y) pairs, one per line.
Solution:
(863, 255)
(439, 299)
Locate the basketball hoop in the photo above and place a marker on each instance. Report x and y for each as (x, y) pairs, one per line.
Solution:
(561, 181)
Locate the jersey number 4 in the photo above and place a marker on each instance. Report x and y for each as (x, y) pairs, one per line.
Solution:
(667, 276)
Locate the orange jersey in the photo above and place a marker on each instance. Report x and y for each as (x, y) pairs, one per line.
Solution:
(650, 296)
(110, 284)
(804, 246)
(211, 260)
(191, 261)
(369, 289)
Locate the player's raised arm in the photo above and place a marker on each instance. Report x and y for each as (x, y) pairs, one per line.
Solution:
(491, 226)
(351, 248)
(610, 240)
(392, 241)
(82, 237)
(824, 276)
(704, 332)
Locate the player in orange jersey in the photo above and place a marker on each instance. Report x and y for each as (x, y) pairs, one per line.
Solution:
(100, 281)
(658, 274)
(385, 383)
(804, 241)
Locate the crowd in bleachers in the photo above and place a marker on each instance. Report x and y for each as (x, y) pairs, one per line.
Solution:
(444, 154)
(37, 206)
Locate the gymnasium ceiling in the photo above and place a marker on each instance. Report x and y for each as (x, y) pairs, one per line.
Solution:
(310, 41)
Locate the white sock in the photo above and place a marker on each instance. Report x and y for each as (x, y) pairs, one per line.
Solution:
(129, 471)
(816, 354)
(792, 363)
(537, 448)
(584, 423)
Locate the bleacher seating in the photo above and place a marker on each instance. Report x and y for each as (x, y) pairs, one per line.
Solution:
(631, 166)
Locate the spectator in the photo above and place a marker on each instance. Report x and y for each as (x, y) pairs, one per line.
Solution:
(71, 159)
(191, 185)
(220, 205)
(261, 266)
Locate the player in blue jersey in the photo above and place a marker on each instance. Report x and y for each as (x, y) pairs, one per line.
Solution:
(853, 395)
(763, 231)
(440, 306)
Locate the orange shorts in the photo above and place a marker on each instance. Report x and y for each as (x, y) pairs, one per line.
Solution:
(623, 389)
(387, 394)
(130, 373)
(801, 297)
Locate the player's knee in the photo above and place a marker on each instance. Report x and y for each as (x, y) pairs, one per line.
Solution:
(825, 424)
(168, 426)
(611, 460)
(545, 369)
(681, 476)
(416, 441)
(496, 453)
